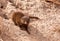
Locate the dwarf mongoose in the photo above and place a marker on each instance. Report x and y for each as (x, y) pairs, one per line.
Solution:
(22, 20)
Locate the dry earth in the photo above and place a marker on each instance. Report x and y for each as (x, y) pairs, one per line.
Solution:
(45, 29)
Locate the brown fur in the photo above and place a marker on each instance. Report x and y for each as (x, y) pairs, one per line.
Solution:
(18, 19)
(22, 20)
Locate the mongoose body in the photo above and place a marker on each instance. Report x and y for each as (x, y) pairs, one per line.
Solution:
(22, 20)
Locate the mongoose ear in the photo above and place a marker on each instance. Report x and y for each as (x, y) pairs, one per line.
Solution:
(33, 18)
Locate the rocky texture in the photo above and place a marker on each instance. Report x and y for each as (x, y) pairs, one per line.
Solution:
(45, 29)
(54, 1)
(3, 4)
